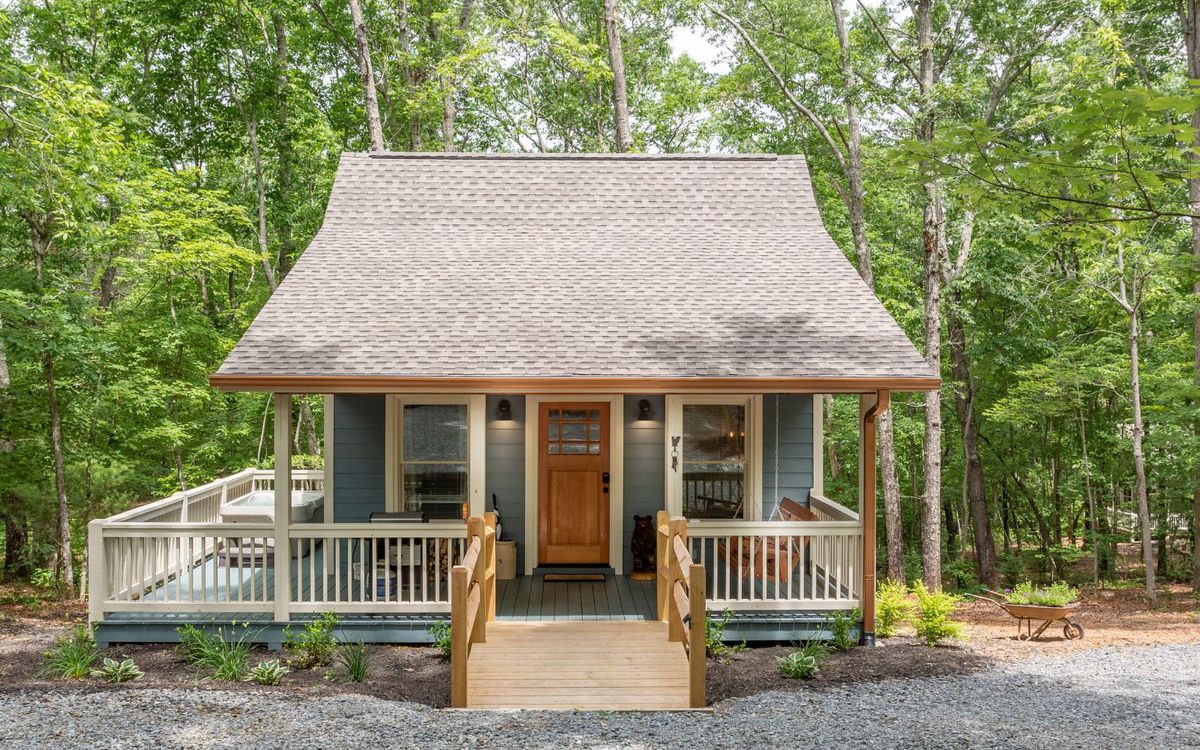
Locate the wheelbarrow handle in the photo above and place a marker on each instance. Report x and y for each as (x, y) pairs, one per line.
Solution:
(989, 600)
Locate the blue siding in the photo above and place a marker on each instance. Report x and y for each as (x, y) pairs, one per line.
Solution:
(505, 469)
(645, 462)
(788, 465)
(358, 461)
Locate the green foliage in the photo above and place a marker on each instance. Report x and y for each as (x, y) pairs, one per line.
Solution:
(841, 627)
(933, 623)
(315, 645)
(1055, 595)
(44, 578)
(714, 636)
(892, 607)
(443, 639)
(222, 656)
(353, 656)
(117, 671)
(269, 672)
(72, 656)
(804, 663)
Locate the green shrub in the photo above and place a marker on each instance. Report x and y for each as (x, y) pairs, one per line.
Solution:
(267, 673)
(841, 627)
(1055, 595)
(714, 635)
(117, 671)
(225, 659)
(72, 656)
(892, 607)
(353, 656)
(442, 638)
(315, 646)
(804, 663)
(933, 621)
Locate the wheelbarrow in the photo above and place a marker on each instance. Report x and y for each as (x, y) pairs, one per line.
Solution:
(1028, 614)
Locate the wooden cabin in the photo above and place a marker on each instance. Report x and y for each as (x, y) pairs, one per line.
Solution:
(580, 342)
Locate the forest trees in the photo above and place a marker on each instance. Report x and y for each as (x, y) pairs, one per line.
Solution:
(993, 172)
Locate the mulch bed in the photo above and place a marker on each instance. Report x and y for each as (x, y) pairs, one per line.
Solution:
(754, 671)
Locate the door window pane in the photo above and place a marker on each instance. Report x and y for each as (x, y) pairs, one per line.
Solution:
(434, 459)
(713, 459)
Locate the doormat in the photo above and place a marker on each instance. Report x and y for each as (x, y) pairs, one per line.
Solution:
(568, 577)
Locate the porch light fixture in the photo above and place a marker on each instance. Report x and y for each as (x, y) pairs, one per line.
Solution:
(644, 414)
(504, 410)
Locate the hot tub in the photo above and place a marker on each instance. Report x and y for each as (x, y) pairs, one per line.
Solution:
(259, 507)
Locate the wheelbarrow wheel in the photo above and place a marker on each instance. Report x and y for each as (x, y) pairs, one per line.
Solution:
(1072, 630)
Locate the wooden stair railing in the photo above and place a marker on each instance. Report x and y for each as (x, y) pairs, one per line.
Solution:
(681, 600)
(472, 601)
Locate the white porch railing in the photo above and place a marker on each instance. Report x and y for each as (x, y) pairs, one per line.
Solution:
(776, 565)
(375, 567)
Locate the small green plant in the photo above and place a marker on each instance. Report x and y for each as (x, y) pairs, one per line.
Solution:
(72, 656)
(225, 659)
(803, 664)
(933, 623)
(714, 635)
(841, 628)
(353, 656)
(442, 638)
(267, 672)
(44, 578)
(1055, 595)
(315, 646)
(117, 671)
(892, 607)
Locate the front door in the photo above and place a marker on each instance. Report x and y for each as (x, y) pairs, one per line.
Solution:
(573, 480)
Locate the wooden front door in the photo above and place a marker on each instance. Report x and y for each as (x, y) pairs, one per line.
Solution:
(573, 484)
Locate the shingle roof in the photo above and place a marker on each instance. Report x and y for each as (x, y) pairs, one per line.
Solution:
(557, 266)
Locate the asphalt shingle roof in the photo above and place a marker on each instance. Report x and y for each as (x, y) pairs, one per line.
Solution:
(471, 265)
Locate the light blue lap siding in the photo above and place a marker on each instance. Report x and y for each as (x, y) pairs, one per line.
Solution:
(358, 461)
(645, 466)
(505, 469)
(788, 460)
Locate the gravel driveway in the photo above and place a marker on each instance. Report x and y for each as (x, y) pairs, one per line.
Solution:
(1131, 697)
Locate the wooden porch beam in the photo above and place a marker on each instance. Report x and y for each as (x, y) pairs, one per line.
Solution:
(870, 406)
(573, 385)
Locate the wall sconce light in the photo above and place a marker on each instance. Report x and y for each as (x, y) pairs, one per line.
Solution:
(644, 414)
(504, 410)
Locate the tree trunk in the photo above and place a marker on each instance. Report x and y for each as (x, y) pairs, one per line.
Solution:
(370, 99)
(1094, 528)
(449, 88)
(60, 478)
(931, 234)
(1191, 33)
(283, 263)
(261, 190)
(616, 60)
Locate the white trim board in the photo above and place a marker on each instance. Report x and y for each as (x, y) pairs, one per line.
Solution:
(616, 461)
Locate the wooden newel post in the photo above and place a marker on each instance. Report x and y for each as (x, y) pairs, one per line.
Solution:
(460, 583)
(676, 527)
(697, 645)
(489, 550)
(477, 529)
(661, 533)
(97, 572)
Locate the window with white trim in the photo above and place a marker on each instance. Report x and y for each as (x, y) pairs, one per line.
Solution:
(438, 466)
(711, 453)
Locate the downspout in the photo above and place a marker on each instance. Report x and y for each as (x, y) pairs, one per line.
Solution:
(866, 513)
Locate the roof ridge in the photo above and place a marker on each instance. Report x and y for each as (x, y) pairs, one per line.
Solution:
(597, 156)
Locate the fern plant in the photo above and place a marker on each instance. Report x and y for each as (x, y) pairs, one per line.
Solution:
(892, 607)
(117, 671)
(933, 623)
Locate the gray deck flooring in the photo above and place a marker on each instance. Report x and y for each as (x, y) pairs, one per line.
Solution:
(534, 598)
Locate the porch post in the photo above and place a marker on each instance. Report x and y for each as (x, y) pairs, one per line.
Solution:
(869, 407)
(283, 505)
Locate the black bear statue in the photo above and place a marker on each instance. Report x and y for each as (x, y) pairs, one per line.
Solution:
(643, 545)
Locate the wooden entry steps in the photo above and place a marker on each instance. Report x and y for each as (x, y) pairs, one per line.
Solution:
(578, 665)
